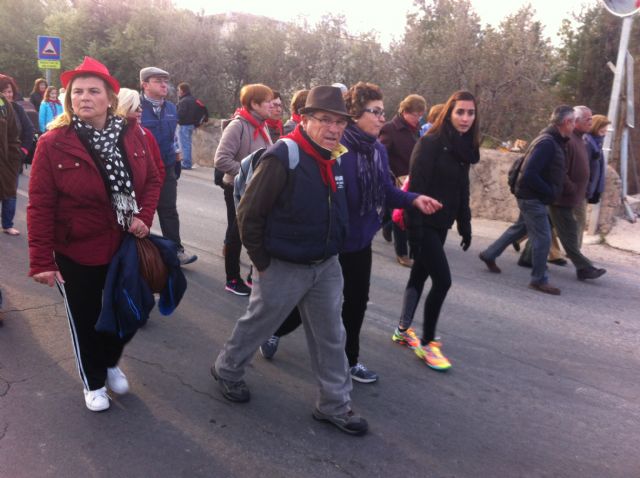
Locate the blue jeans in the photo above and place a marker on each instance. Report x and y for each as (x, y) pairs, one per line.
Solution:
(185, 131)
(514, 233)
(534, 213)
(9, 210)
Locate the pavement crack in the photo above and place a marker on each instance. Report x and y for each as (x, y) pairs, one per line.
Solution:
(548, 371)
(177, 377)
(40, 307)
(3, 431)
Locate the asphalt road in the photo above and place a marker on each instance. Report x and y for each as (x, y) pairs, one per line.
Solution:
(541, 386)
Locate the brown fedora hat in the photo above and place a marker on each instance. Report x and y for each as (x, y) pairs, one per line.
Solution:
(325, 98)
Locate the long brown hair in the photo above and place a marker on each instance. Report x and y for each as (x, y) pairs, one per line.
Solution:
(442, 124)
(36, 85)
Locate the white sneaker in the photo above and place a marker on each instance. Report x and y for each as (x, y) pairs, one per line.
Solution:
(96, 400)
(117, 381)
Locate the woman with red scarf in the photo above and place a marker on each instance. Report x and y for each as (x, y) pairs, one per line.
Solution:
(297, 103)
(274, 122)
(50, 108)
(246, 133)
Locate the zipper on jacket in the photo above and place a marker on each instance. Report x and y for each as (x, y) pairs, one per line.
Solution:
(326, 245)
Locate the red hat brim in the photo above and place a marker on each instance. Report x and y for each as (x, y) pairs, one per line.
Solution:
(91, 67)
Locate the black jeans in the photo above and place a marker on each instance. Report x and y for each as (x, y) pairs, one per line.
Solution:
(233, 245)
(168, 208)
(430, 260)
(94, 351)
(356, 272)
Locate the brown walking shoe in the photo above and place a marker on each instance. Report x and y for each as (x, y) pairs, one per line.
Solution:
(546, 288)
(490, 264)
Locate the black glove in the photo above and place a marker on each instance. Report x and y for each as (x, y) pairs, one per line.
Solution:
(178, 168)
(594, 199)
(464, 229)
(465, 242)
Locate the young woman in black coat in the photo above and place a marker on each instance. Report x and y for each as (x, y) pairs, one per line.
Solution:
(439, 169)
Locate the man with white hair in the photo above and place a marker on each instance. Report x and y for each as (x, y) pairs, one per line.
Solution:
(568, 212)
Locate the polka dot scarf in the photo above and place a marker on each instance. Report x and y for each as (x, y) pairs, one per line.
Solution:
(104, 145)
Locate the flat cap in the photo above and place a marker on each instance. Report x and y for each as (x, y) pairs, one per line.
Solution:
(150, 71)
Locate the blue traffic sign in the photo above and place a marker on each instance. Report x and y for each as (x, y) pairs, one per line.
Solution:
(49, 48)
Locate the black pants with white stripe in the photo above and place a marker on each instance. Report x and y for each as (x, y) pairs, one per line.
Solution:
(94, 351)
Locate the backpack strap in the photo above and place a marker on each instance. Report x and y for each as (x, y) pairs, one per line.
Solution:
(294, 152)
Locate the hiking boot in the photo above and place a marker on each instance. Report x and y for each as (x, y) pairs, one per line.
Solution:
(406, 337)
(185, 258)
(558, 262)
(270, 347)
(232, 391)
(237, 287)
(96, 400)
(491, 264)
(362, 374)
(347, 422)
(590, 273)
(545, 288)
(405, 261)
(433, 357)
(117, 381)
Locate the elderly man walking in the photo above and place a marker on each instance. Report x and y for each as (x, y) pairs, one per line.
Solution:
(568, 212)
(539, 184)
(160, 116)
(293, 221)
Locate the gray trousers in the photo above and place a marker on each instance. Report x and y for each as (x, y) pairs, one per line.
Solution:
(317, 291)
(564, 221)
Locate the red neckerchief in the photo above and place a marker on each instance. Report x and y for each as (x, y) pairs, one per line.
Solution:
(325, 165)
(296, 117)
(259, 127)
(274, 124)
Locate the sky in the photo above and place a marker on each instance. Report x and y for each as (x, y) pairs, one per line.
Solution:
(387, 17)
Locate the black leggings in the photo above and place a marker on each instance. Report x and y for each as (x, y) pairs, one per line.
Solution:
(233, 245)
(429, 261)
(94, 351)
(356, 271)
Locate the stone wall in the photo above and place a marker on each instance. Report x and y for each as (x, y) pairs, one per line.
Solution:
(491, 198)
(490, 195)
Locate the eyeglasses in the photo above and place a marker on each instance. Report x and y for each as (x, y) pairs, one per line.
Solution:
(324, 121)
(276, 105)
(377, 112)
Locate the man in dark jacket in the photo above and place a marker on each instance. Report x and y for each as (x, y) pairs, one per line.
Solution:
(189, 116)
(293, 230)
(161, 118)
(568, 212)
(9, 155)
(539, 184)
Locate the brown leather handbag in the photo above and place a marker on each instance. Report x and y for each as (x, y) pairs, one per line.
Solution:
(152, 268)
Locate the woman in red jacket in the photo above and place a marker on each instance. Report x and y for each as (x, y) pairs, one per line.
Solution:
(91, 183)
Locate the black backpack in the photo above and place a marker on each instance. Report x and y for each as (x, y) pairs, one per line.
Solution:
(516, 167)
(514, 172)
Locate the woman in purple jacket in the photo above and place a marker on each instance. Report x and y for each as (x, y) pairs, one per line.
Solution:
(370, 189)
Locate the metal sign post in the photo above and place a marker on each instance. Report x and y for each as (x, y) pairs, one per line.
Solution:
(49, 54)
(614, 102)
